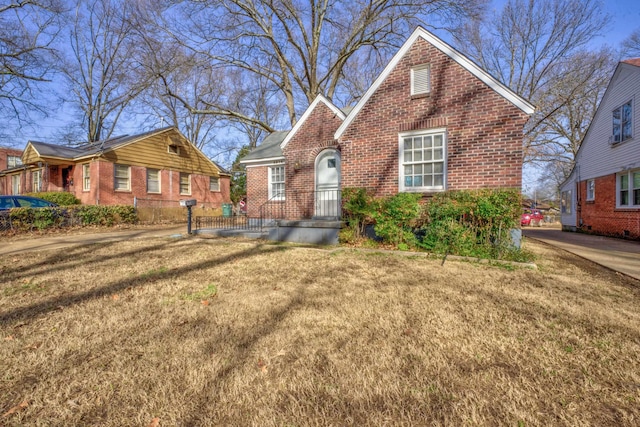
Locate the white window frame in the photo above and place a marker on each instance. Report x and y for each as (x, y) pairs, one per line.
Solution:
(116, 186)
(421, 79)
(591, 190)
(157, 172)
(402, 187)
(277, 171)
(214, 183)
(566, 202)
(621, 136)
(173, 149)
(13, 161)
(86, 176)
(36, 181)
(15, 184)
(188, 183)
(633, 189)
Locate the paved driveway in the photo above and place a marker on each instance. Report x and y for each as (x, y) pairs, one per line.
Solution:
(616, 254)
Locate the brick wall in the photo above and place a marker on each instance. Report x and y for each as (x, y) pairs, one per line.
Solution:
(484, 130)
(257, 189)
(600, 216)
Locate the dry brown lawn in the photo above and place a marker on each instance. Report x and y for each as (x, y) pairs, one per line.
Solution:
(131, 334)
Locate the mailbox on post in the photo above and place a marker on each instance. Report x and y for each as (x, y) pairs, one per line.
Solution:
(188, 203)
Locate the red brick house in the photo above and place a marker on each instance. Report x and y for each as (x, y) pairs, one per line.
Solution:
(602, 193)
(432, 121)
(156, 165)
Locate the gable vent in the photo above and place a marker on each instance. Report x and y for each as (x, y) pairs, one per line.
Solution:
(420, 80)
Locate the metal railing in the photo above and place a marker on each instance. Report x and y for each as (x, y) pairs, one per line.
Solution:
(295, 205)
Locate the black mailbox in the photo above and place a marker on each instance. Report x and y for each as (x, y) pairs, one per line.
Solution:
(188, 202)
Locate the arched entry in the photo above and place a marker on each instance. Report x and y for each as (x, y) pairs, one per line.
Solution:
(327, 200)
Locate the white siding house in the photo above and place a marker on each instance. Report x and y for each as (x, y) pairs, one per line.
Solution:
(602, 194)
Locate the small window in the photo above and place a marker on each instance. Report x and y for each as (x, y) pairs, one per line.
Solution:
(565, 202)
(86, 177)
(174, 149)
(153, 181)
(15, 184)
(421, 80)
(629, 189)
(331, 163)
(276, 183)
(185, 183)
(214, 183)
(422, 162)
(37, 181)
(122, 178)
(622, 123)
(591, 189)
(13, 161)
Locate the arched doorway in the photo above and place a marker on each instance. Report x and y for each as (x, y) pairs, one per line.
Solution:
(327, 199)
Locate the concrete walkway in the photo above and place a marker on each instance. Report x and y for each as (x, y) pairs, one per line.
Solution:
(617, 254)
(29, 244)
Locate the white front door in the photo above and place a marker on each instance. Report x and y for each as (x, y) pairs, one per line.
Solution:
(327, 200)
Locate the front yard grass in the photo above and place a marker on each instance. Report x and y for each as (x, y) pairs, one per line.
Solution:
(207, 332)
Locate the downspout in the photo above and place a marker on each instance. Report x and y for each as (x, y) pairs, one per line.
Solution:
(578, 199)
(98, 184)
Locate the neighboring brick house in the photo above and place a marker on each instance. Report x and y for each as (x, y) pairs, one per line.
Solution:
(10, 158)
(156, 165)
(432, 121)
(602, 193)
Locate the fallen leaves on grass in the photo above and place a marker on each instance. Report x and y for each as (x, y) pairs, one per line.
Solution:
(155, 422)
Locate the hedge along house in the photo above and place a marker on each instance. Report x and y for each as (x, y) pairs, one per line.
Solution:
(602, 193)
(432, 121)
(156, 165)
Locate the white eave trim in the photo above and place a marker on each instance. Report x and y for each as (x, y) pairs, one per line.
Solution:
(306, 115)
(262, 162)
(467, 64)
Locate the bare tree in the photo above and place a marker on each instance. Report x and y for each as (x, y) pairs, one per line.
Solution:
(27, 31)
(631, 45)
(103, 72)
(538, 49)
(299, 48)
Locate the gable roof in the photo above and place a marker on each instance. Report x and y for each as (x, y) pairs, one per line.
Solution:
(268, 150)
(452, 53)
(319, 99)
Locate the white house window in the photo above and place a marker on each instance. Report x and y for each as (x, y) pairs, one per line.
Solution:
(628, 186)
(421, 79)
(13, 161)
(422, 162)
(122, 178)
(37, 181)
(153, 181)
(276, 183)
(185, 183)
(86, 177)
(173, 149)
(591, 189)
(15, 184)
(214, 183)
(565, 202)
(622, 123)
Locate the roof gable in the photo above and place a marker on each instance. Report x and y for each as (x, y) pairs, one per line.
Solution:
(319, 99)
(449, 51)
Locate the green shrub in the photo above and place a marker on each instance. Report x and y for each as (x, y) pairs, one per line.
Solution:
(396, 218)
(357, 209)
(105, 215)
(61, 198)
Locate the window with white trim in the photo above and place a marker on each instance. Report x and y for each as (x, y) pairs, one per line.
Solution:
(122, 178)
(13, 161)
(185, 183)
(153, 181)
(15, 184)
(591, 189)
(421, 79)
(276, 183)
(86, 177)
(628, 186)
(422, 161)
(565, 202)
(36, 181)
(214, 183)
(622, 123)
(173, 149)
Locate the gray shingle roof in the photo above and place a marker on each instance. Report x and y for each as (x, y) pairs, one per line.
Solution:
(270, 147)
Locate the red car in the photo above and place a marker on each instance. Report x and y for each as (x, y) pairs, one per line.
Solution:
(533, 217)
